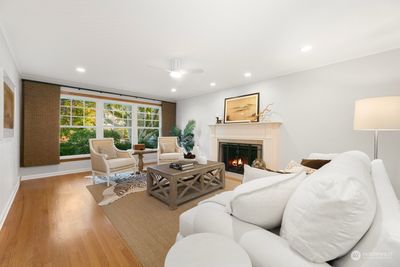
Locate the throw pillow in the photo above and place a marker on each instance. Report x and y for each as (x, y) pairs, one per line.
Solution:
(251, 173)
(168, 148)
(332, 209)
(314, 163)
(108, 151)
(262, 201)
(259, 164)
(294, 166)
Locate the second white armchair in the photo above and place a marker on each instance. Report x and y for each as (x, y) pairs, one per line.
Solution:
(168, 150)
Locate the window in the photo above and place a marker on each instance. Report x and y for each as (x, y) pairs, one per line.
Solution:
(118, 124)
(78, 124)
(128, 123)
(148, 126)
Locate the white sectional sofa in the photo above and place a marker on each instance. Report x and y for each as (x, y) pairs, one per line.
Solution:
(379, 247)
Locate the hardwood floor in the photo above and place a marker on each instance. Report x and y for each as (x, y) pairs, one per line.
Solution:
(55, 222)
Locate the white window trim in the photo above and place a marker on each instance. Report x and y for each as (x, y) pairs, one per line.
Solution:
(100, 120)
(83, 156)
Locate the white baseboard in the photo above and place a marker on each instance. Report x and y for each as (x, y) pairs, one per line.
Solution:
(7, 208)
(50, 174)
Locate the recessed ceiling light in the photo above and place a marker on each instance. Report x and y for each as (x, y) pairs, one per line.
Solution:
(173, 90)
(247, 74)
(80, 69)
(213, 84)
(306, 48)
(176, 74)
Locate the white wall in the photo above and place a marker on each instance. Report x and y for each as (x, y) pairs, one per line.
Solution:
(316, 108)
(9, 147)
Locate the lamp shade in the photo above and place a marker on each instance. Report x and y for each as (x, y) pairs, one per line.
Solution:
(379, 113)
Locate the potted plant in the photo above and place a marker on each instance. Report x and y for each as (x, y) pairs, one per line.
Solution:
(186, 137)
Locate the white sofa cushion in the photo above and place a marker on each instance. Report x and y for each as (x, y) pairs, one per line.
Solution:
(332, 209)
(262, 201)
(380, 246)
(186, 219)
(213, 220)
(251, 173)
(211, 217)
(269, 250)
(222, 199)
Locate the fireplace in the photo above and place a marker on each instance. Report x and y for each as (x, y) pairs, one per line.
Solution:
(236, 155)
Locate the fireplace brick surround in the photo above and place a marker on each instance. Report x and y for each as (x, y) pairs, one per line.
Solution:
(263, 134)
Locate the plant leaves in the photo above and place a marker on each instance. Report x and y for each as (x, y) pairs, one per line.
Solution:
(189, 128)
(175, 131)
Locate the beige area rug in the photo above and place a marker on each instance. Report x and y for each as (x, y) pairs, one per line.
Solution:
(147, 225)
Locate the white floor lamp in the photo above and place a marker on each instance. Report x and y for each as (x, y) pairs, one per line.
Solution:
(377, 114)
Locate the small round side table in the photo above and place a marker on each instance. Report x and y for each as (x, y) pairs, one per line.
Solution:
(207, 250)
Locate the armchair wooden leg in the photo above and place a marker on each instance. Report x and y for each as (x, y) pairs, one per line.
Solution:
(108, 180)
(93, 177)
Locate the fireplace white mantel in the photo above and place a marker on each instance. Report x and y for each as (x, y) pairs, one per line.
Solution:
(266, 133)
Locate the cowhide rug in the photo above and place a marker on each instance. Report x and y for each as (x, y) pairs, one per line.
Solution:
(122, 185)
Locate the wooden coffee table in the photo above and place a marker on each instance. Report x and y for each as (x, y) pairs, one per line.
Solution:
(175, 187)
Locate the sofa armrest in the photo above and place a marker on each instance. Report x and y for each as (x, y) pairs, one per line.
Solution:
(98, 161)
(268, 249)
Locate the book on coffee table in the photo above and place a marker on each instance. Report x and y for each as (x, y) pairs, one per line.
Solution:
(182, 165)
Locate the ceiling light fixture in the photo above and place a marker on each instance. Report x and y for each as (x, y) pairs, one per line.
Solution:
(213, 84)
(80, 69)
(173, 90)
(176, 74)
(247, 74)
(306, 48)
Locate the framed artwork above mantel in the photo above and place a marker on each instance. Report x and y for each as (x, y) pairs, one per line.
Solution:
(242, 109)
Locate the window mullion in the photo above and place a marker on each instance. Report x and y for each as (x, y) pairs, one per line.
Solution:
(134, 125)
(99, 119)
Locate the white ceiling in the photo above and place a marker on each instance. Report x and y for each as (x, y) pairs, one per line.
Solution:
(115, 40)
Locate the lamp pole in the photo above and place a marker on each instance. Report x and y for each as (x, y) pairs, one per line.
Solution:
(376, 144)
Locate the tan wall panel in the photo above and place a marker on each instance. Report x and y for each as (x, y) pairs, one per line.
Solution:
(168, 117)
(40, 124)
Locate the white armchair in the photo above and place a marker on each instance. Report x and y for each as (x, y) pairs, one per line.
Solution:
(168, 150)
(107, 159)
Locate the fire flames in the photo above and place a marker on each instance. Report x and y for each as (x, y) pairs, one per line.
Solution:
(237, 162)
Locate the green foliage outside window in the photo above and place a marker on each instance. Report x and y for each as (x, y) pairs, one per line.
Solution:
(78, 125)
(117, 115)
(118, 120)
(148, 122)
(75, 141)
(122, 137)
(75, 113)
(148, 137)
